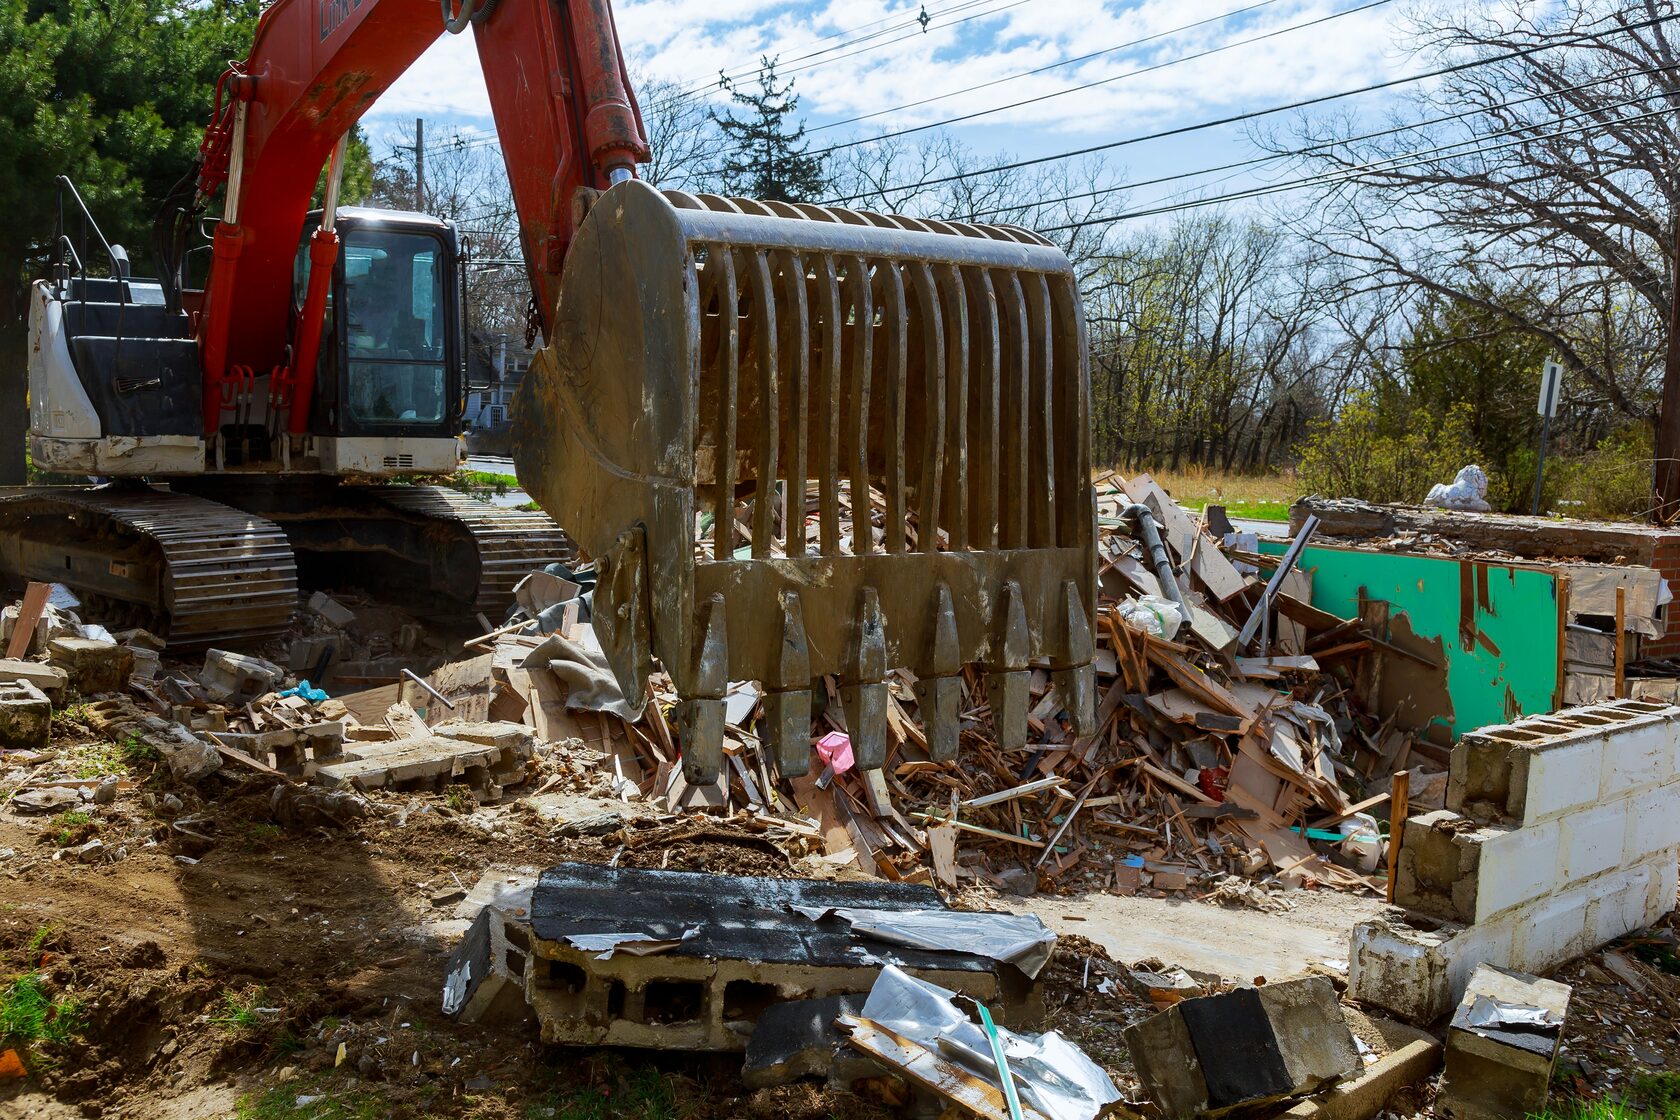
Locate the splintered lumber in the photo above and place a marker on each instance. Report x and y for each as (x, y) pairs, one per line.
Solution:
(29, 613)
(1195, 682)
(1011, 794)
(978, 830)
(930, 1069)
(1307, 614)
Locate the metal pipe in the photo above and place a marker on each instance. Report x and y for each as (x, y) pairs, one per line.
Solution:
(1140, 513)
(1273, 585)
(444, 700)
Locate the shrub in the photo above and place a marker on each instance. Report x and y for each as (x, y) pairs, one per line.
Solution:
(1361, 453)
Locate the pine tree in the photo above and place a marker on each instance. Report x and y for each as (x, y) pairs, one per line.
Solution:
(766, 154)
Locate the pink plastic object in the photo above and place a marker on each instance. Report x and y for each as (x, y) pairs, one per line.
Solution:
(836, 750)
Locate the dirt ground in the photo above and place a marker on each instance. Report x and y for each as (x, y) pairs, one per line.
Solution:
(219, 964)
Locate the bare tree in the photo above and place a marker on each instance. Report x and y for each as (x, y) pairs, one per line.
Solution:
(1550, 168)
(687, 147)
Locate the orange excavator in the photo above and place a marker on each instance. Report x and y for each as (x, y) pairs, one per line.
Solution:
(796, 441)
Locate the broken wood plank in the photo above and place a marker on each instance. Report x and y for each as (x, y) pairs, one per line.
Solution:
(29, 614)
(1011, 794)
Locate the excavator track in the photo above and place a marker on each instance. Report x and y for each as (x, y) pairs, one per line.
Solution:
(197, 572)
(511, 542)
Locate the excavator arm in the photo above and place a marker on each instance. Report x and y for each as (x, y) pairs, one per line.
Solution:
(564, 113)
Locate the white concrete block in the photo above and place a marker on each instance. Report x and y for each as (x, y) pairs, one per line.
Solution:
(1592, 841)
(1549, 930)
(1563, 778)
(1516, 866)
(1637, 755)
(1653, 823)
(1419, 974)
(1616, 903)
(1665, 880)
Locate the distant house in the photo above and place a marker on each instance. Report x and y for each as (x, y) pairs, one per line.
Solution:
(499, 358)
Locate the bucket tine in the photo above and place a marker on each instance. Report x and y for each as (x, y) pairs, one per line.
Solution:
(826, 413)
(1075, 679)
(729, 377)
(1007, 679)
(939, 689)
(787, 701)
(764, 471)
(931, 320)
(702, 712)
(864, 695)
(861, 301)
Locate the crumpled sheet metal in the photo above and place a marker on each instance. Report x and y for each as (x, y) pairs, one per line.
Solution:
(1052, 1075)
(1488, 1013)
(1022, 940)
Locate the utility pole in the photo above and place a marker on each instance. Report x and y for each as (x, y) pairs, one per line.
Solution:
(420, 164)
(1666, 507)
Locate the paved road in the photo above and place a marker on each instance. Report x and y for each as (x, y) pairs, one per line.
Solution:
(1264, 528)
(490, 464)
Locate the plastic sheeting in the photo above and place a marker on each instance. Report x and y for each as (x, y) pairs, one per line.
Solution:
(1051, 1074)
(1468, 491)
(1018, 939)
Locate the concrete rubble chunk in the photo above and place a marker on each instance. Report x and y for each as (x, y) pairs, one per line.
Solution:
(93, 665)
(234, 678)
(484, 980)
(1502, 1044)
(1440, 853)
(25, 716)
(796, 1039)
(1209, 1055)
(720, 950)
(50, 679)
(330, 609)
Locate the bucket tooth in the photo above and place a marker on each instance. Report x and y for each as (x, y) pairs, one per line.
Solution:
(1007, 679)
(621, 613)
(701, 712)
(787, 700)
(939, 690)
(864, 695)
(1075, 679)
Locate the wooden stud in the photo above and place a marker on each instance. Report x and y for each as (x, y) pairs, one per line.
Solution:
(1399, 798)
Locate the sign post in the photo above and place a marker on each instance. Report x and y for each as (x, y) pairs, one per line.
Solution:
(1551, 388)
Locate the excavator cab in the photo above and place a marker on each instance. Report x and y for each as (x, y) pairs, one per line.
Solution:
(802, 441)
(389, 378)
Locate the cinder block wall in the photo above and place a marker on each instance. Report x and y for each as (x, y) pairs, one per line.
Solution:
(1561, 832)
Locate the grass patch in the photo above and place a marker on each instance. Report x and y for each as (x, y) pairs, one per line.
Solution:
(136, 750)
(71, 824)
(1599, 1109)
(239, 1010)
(261, 836)
(30, 1015)
(311, 1099)
(460, 799)
(1659, 1092)
(1262, 497)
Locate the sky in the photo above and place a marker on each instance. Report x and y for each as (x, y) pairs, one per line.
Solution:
(870, 60)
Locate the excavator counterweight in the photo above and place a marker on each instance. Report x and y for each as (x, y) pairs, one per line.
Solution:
(728, 378)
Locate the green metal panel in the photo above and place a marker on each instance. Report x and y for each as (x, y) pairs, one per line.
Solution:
(1497, 624)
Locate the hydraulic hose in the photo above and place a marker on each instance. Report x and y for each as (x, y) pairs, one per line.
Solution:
(1157, 554)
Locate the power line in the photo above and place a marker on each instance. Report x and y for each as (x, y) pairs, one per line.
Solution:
(1249, 115)
(1050, 66)
(1396, 163)
(1312, 149)
(1083, 86)
(746, 70)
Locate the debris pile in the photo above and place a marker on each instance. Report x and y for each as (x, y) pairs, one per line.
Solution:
(1234, 738)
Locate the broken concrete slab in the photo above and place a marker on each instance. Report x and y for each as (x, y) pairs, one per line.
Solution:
(93, 665)
(431, 761)
(233, 678)
(50, 679)
(25, 716)
(1368, 1094)
(330, 609)
(485, 977)
(796, 1039)
(747, 951)
(1502, 1045)
(1209, 1055)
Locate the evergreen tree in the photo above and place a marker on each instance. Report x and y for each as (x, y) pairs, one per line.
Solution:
(766, 155)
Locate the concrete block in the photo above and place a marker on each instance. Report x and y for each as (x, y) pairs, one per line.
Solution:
(1591, 841)
(1549, 930)
(1493, 1073)
(335, 612)
(50, 679)
(1665, 880)
(1209, 1055)
(796, 1039)
(1636, 757)
(1416, 969)
(1516, 865)
(1653, 823)
(1615, 904)
(484, 980)
(234, 678)
(25, 716)
(1561, 779)
(1440, 854)
(1366, 1095)
(93, 665)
